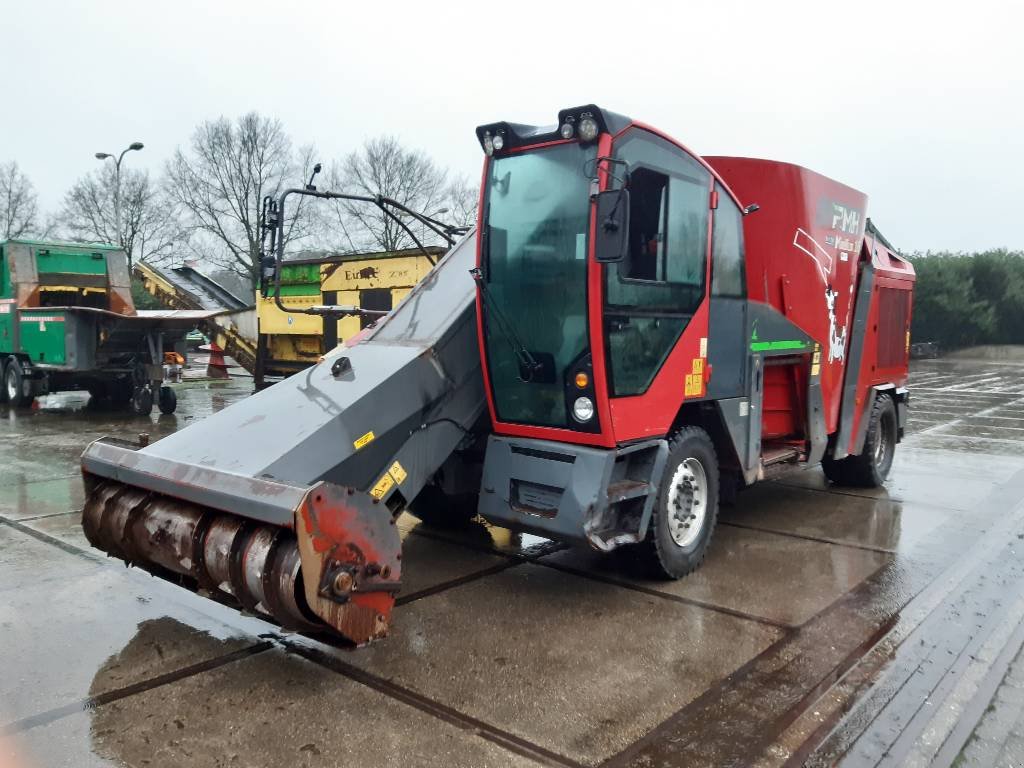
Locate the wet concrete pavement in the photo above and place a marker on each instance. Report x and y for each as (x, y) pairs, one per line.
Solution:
(827, 626)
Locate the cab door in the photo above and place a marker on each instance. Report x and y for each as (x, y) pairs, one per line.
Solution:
(727, 333)
(655, 308)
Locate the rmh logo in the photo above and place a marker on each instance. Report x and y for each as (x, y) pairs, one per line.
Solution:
(845, 219)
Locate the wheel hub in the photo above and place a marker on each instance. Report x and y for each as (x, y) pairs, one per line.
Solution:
(687, 502)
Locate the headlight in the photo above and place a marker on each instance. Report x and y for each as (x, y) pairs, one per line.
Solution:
(488, 144)
(499, 142)
(588, 129)
(566, 131)
(583, 409)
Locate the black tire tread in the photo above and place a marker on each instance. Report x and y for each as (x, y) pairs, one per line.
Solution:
(657, 556)
(858, 470)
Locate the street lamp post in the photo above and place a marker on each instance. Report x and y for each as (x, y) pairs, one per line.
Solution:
(136, 146)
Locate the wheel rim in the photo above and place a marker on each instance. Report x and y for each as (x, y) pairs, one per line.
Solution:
(882, 441)
(11, 381)
(687, 502)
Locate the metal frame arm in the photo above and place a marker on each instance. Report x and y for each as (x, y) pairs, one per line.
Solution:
(273, 223)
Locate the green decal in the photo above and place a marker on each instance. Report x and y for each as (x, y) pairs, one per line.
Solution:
(767, 346)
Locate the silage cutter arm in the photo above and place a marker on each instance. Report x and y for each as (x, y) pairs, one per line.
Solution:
(284, 503)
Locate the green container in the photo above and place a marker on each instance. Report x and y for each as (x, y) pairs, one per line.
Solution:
(43, 335)
(50, 261)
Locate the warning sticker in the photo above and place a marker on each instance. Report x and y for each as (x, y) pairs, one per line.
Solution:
(367, 438)
(383, 486)
(397, 472)
(703, 346)
(695, 379)
(693, 384)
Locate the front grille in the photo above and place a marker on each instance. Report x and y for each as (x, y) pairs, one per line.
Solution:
(540, 454)
(893, 326)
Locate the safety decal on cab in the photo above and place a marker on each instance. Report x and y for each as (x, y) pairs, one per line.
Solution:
(695, 379)
(816, 360)
(364, 440)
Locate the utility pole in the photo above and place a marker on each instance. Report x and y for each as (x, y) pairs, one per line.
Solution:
(136, 146)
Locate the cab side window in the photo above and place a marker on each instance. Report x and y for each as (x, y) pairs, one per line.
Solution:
(728, 270)
(651, 295)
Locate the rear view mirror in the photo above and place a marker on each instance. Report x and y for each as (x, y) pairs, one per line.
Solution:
(612, 241)
(268, 274)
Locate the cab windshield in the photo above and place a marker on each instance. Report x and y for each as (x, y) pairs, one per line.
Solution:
(537, 207)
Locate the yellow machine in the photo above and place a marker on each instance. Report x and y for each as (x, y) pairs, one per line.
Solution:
(289, 342)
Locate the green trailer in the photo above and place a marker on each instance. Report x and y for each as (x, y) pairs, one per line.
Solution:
(67, 322)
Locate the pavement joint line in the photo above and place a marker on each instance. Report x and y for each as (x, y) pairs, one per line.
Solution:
(457, 582)
(834, 491)
(92, 702)
(920, 606)
(805, 537)
(991, 640)
(538, 559)
(485, 730)
(960, 420)
(1001, 440)
(48, 514)
(879, 659)
(974, 710)
(616, 582)
(53, 540)
(683, 730)
(49, 479)
(543, 550)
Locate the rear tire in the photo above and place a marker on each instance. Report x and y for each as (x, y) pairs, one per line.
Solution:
(439, 510)
(142, 401)
(686, 508)
(167, 400)
(16, 386)
(870, 467)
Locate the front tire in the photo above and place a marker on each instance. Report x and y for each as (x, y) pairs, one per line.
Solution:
(686, 509)
(142, 401)
(870, 467)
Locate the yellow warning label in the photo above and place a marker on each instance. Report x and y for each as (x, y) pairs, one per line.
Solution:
(815, 368)
(694, 382)
(698, 366)
(397, 472)
(703, 346)
(817, 357)
(367, 438)
(383, 486)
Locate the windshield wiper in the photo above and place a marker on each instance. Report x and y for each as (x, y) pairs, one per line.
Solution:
(527, 362)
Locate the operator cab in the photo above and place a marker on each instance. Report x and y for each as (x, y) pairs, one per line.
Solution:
(596, 235)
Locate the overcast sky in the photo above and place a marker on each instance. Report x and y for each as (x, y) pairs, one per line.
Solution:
(919, 105)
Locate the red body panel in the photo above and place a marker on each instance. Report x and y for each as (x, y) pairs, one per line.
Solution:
(887, 338)
(802, 249)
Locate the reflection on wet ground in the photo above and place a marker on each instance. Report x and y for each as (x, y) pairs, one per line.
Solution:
(821, 621)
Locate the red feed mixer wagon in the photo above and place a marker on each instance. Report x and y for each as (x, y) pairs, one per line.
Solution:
(631, 334)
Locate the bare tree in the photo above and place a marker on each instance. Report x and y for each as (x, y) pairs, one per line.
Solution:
(383, 166)
(150, 228)
(220, 182)
(19, 205)
(463, 199)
